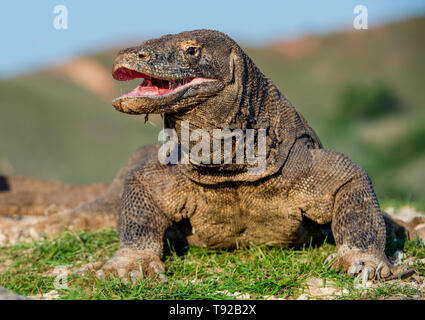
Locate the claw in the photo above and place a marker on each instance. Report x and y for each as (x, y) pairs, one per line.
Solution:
(367, 272)
(378, 270)
(134, 277)
(401, 273)
(155, 267)
(355, 268)
(330, 258)
(360, 282)
(162, 277)
(158, 270)
(358, 285)
(365, 276)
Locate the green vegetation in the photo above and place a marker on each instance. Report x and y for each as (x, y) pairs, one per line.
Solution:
(259, 271)
(360, 102)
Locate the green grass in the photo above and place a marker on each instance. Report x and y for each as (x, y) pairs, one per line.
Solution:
(259, 271)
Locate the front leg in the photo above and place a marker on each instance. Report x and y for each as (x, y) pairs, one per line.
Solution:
(142, 226)
(359, 230)
(340, 191)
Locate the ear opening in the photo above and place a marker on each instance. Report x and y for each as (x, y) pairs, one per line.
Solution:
(236, 66)
(235, 85)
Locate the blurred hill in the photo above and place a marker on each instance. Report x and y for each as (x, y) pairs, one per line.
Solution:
(362, 91)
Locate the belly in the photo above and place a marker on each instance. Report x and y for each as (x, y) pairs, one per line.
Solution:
(227, 220)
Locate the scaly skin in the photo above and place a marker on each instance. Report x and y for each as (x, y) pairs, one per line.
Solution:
(304, 191)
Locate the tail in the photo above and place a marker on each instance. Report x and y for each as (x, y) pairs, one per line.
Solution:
(26, 196)
(404, 229)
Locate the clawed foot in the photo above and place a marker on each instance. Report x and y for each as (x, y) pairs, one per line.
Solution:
(367, 265)
(133, 264)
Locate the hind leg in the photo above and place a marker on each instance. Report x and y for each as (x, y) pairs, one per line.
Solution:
(413, 229)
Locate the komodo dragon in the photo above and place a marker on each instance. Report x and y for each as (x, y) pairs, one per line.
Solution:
(203, 78)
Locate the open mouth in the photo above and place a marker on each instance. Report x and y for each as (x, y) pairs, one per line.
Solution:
(153, 87)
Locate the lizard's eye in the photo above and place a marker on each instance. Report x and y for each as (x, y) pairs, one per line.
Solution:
(191, 50)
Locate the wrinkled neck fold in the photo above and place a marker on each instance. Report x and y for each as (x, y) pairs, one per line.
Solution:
(253, 105)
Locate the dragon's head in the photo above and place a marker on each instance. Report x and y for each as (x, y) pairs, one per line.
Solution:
(177, 71)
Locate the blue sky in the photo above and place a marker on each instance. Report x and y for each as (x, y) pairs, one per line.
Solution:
(29, 40)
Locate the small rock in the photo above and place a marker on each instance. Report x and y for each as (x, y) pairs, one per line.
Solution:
(345, 291)
(237, 295)
(273, 298)
(328, 291)
(51, 295)
(8, 295)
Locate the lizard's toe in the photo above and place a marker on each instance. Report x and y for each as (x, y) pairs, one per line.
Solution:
(382, 271)
(132, 264)
(330, 259)
(368, 265)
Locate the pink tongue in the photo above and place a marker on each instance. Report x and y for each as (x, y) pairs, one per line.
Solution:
(146, 91)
